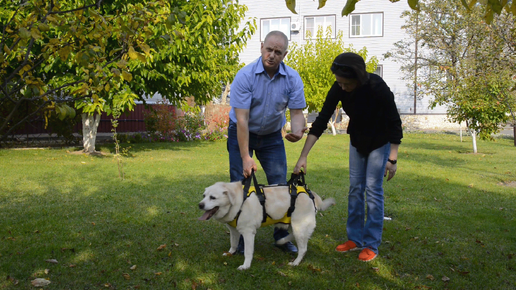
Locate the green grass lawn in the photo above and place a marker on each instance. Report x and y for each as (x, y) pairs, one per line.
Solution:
(453, 220)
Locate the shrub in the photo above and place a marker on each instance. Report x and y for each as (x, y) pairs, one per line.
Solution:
(160, 121)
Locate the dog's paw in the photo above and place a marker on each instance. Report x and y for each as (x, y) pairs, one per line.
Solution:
(242, 267)
(293, 263)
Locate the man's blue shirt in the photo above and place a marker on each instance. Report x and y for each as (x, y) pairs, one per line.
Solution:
(266, 99)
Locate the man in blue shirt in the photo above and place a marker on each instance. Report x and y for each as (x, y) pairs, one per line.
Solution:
(260, 94)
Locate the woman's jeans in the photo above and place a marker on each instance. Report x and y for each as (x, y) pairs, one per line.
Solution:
(269, 150)
(366, 173)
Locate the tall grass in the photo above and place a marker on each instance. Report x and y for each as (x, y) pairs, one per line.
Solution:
(453, 220)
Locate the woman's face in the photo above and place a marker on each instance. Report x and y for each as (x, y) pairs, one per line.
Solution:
(346, 84)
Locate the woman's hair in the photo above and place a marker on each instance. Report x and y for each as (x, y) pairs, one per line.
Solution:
(351, 66)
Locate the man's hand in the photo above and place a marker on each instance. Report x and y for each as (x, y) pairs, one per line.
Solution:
(249, 166)
(294, 137)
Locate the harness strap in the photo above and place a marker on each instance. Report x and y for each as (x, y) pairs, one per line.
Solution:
(258, 190)
(295, 181)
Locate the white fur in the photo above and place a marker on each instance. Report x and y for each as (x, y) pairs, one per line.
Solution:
(229, 196)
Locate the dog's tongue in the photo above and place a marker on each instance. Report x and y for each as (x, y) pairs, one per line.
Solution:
(208, 214)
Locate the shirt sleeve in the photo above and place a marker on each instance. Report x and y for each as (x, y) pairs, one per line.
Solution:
(241, 91)
(297, 96)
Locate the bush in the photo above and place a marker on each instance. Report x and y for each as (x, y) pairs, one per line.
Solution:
(160, 121)
(164, 124)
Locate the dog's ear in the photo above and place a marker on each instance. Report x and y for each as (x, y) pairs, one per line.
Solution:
(232, 190)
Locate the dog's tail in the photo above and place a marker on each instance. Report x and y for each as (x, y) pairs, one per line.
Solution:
(322, 204)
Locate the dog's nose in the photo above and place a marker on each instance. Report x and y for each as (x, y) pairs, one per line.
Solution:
(201, 205)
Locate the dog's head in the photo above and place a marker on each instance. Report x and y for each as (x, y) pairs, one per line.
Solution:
(218, 199)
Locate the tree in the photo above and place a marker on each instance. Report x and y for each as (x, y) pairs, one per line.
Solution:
(489, 7)
(103, 55)
(313, 61)
(461, 63)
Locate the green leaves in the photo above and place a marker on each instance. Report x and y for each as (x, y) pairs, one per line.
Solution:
(490, 6)
(291, 5)
(350, 7)
(313, 61)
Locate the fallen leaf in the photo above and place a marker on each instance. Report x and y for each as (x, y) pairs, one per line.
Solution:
(133, 267)
(47, 271)
(72, 266)
(40, 282)
(126, 276)
(14, 281)
(158, 273)
(53, 261)
(445, 279)
(430, 277)
(314, 269)
(376, 269)
(162, 247)
(282, 274)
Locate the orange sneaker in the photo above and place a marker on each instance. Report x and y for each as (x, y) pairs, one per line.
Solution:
(367, 255)
(347, 247)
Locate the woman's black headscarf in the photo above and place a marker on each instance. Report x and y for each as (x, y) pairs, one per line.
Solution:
(351, 66)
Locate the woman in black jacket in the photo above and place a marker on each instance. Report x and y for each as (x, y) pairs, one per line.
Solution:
(375, 134)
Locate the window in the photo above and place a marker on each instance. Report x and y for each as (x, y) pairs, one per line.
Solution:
(268, 25)
(363, 25)
(379, 70)
(312, 24)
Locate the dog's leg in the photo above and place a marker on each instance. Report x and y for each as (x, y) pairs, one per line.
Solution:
(234, 235)
(248, 249)
(303, 225)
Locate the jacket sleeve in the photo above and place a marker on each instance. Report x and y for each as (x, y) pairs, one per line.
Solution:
(395, 131)
(330, 104)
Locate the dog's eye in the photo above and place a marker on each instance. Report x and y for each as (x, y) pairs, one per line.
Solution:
(212, 197)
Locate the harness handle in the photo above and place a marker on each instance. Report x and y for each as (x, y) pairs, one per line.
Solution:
(247, 184)
(295, 179)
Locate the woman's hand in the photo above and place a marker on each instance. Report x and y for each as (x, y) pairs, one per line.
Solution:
(390, 170)
(300, 165)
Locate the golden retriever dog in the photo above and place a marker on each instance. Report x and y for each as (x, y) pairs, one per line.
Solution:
(225, 202)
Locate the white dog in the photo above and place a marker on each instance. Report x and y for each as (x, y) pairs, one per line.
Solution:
(225, 203)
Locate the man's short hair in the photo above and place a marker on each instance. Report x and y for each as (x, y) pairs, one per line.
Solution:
(280, 34)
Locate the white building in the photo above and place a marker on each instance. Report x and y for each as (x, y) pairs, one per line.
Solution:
(375, 24)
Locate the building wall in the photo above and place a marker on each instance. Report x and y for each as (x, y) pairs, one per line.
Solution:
(376, 46)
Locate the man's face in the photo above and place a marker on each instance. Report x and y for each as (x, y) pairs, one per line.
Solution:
(273, 52)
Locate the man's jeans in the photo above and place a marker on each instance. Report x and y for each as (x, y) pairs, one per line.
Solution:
(366, 174)
(269, 150)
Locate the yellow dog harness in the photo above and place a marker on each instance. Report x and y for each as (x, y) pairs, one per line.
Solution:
(267, 220)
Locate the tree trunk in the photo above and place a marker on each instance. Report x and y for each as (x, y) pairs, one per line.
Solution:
(90, 124)
(474, 137)
(225, 93)
(333, 130)
(514, 133)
